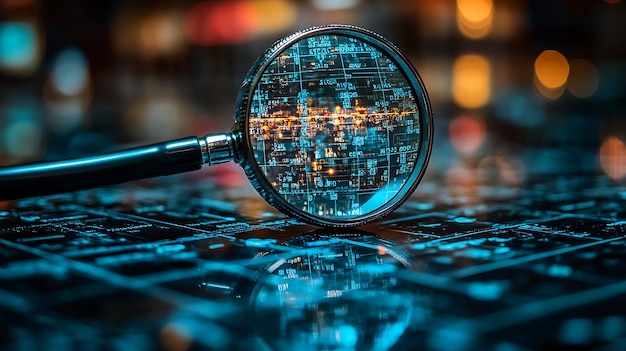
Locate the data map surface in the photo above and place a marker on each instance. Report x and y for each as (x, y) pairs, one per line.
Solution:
(335, 126)
(195, 267)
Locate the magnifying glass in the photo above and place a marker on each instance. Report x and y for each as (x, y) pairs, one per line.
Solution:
(333, 126)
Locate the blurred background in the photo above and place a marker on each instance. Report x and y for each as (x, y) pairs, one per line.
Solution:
(518, 87)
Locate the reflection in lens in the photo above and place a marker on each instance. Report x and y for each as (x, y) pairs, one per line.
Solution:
(341, 294)
(335, 127)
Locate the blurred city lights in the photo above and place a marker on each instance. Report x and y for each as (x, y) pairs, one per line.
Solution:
(20, 47)
(551, 69)
(329, 5)
(613, 157)
(467, 133)
(471, 81)
(474, 18)
(583, 78)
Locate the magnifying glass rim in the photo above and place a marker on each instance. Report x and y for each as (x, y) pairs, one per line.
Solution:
(242, 129)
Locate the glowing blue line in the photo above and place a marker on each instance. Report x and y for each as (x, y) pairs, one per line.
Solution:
(74, 163)
(181, 143)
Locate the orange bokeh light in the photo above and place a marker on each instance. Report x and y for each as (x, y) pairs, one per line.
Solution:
(471, 81)
(474, 17)
(551, 69)
(613, 157)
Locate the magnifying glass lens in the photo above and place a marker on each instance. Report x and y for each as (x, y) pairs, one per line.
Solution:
(335, 126)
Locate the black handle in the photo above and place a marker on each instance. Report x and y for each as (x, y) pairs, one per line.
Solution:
(45, 178)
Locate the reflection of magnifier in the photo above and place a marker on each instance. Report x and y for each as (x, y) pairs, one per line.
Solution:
(342, 293)
(332, 126)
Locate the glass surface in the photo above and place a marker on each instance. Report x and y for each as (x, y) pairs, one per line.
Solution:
(335, 126)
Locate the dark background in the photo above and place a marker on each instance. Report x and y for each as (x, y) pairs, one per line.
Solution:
(517, 87)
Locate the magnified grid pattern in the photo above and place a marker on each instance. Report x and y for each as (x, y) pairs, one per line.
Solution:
(335, 126)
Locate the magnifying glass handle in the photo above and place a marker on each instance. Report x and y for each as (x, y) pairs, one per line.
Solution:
(175, 156)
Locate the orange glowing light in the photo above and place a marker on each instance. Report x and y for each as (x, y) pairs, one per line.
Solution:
(275, 15)
(475, 11)
(331, 171)
(467, 133)
(381, 250)
(471, 81)
(474, 17)
(551, 69)
(583, 78)
(613, 157)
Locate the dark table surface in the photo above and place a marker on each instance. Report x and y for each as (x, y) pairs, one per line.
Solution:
(160, 265)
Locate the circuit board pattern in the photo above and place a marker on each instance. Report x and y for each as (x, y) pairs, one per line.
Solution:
(199, 268)
(335, 126)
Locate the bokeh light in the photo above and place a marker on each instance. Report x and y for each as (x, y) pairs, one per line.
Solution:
(149, 35)
(234, 22)
(551, 69)
(69, 74)
(221, 22)
(276, 15)
(467, 133)
(161, 34)
(583, 78)
(22, 135)
(613, 157)
(474, 17)
(471, 81)
(20, 47)
(67, 92)
(330, 5)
